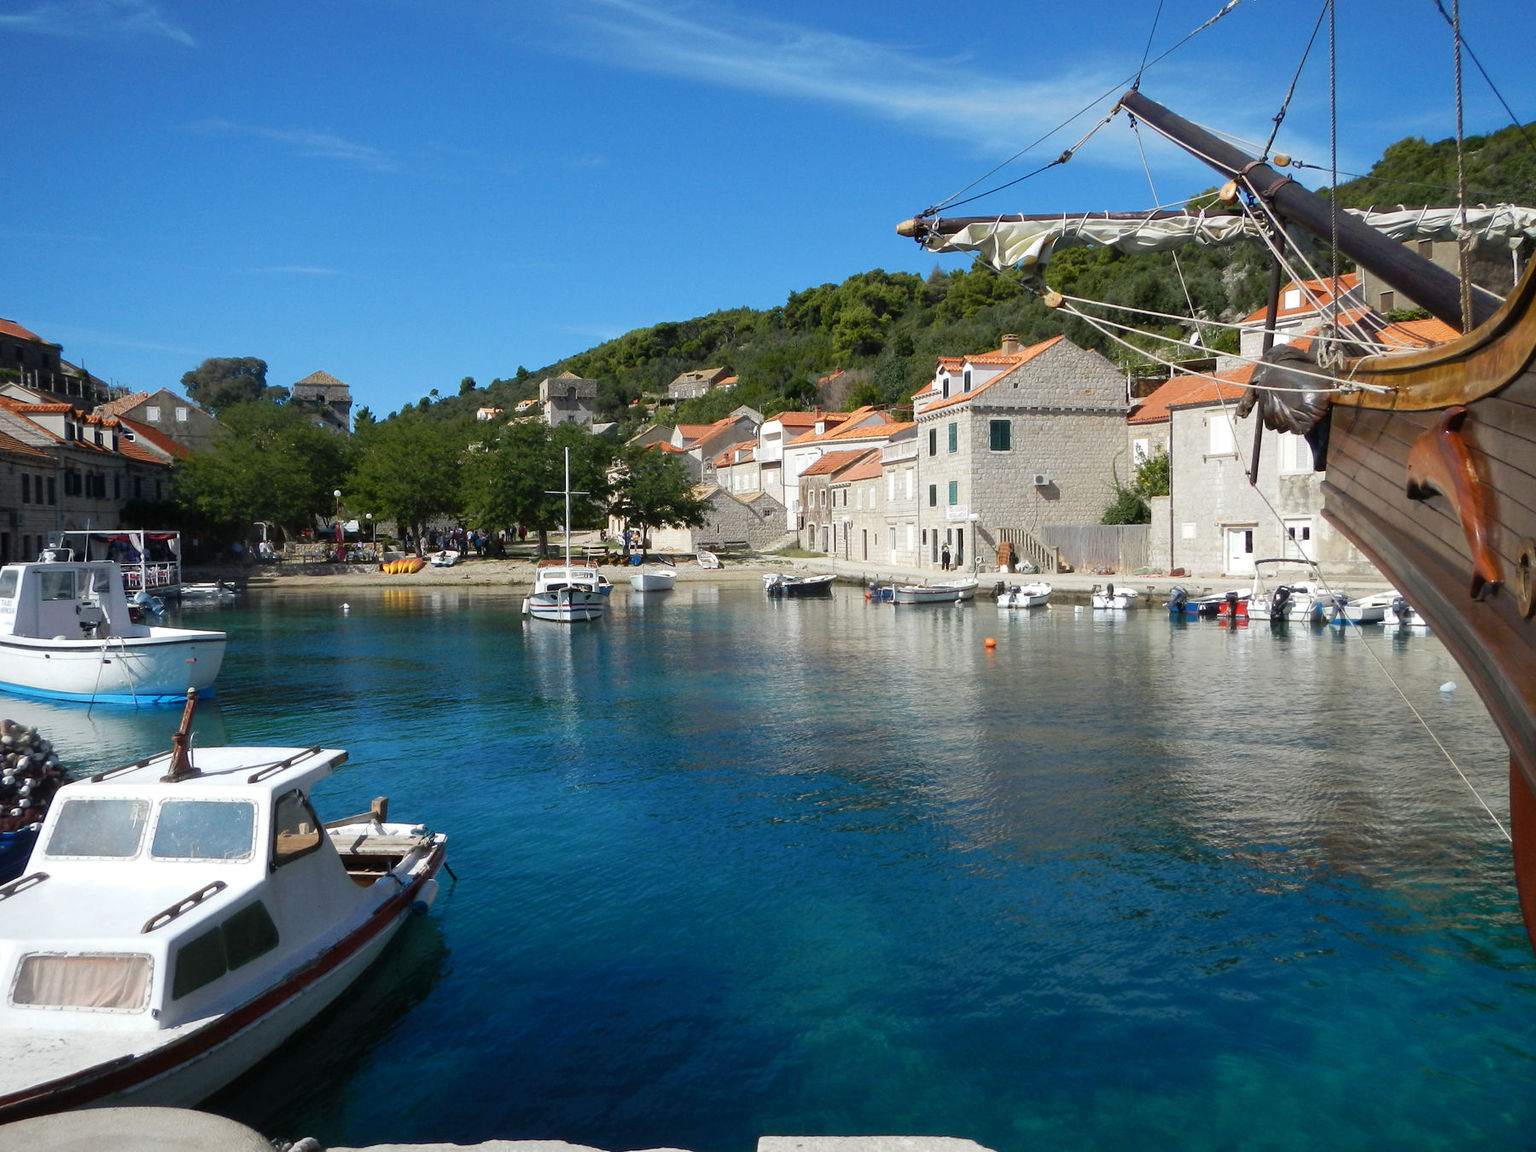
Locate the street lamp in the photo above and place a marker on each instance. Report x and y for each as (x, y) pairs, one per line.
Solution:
(373, 531)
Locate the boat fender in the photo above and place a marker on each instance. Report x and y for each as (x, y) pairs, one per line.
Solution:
(420, 907)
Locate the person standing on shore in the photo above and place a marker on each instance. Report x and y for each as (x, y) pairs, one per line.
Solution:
(944, 557)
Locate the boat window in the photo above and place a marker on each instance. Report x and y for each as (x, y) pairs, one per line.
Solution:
(99, 828)
(246, 935)
(104, 982)
(101, 580)
(8, 585)
(296, 829)
(57, 585)
(204, 830)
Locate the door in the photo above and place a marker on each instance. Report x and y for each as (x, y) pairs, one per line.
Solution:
(1240, 551)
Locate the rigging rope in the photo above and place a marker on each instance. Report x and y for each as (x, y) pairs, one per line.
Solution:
(1291, 91)
(954, 200)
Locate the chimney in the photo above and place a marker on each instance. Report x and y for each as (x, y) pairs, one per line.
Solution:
(1010, 344)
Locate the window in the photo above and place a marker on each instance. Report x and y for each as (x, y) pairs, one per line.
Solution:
(1388, 302)
(244, 936)
(910, 479)
(954, 437)
(92, 981)
(181, 414)
(967, 379)
(1292, 298)
(8, 581)
(1223, 440)
(1000, 435)
(1427, 249)
(933, 495)
(1298, 538)
(296, 830)
(152, 414)
(112, 828)
(954, 492)
(56, 585)
(204, 830)
(26, 488)
(1295, 454)
(945, 391)
(933, 441)
(53, 491)
(1141, 451)
(890, 485)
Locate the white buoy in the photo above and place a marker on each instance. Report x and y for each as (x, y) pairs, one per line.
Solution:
(1448, 686)
(345, 607)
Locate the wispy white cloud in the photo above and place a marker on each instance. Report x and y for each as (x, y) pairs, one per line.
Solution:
(306, 142)
(96, 19)
(958, 99)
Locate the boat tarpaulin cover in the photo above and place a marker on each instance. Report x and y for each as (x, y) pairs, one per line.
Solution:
(1030, 243)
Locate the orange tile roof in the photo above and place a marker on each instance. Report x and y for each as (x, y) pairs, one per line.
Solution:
(867, 467)
(122, 404)
(832, 462)
(154, 436)
(1023, 356)
(1314, 293)
(11, 328)
(1191, 391)
(15, 447)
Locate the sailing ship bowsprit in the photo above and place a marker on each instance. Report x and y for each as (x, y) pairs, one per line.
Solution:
(1430, 456)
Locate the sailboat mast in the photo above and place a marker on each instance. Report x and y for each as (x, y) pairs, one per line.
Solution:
(567, 510)
(1432, 287)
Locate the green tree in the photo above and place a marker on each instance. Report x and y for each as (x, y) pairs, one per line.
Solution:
(221, 382)
(407, 469)
(655, 491)
(516, 476)
(268, 462)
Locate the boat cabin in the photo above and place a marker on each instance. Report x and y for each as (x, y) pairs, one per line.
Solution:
(148, 904)
(68, 600)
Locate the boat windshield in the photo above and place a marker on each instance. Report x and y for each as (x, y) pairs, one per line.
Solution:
(204, 830)
(99, 827)
(58, 584)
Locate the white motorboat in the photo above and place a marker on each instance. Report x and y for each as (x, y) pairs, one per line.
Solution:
(209, 592)
(783, 584)
(943, 592)
(67, 632)
(566, 590)
(183, 916)
(707, 559)
(1366, 610)
(1033, 595)
(1401, 614)
(1110, 598)
(659, 580)
(1296, 601)
(444, 558)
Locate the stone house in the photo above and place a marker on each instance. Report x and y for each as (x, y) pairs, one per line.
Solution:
(705, 442)
(772, 437)
(754, 521)
(859, 430)
(824, 529)
(34, 363)
(691, 385)
(737, 469)
(1304, 306)
(1214, 522)
(858, 492)
(64, 469)
(172, 416)
(326, 399)
(899, 505)
(568, 399)
(1012, 440)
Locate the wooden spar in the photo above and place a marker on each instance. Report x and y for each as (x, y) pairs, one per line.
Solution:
(1435, 289)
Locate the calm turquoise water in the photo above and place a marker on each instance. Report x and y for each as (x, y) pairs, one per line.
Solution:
(730, 867)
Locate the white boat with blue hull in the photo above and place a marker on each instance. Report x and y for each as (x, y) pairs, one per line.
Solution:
(67, 632)
(182, 917)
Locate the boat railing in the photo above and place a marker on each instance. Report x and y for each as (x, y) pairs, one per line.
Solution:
(16, 887)
(165, 916)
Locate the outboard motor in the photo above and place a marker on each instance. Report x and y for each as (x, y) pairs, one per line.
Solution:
(1178, 596)
(1280, 603)
(998, 589)
(1402, 609)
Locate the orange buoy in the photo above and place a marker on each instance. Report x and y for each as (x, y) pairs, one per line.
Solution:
(991, 643)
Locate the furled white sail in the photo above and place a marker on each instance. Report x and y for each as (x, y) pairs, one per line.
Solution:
(1030, 243)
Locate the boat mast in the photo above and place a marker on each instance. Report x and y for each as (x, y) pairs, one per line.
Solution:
(1435, 289)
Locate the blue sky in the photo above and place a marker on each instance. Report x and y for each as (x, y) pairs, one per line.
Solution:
(407, 192)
